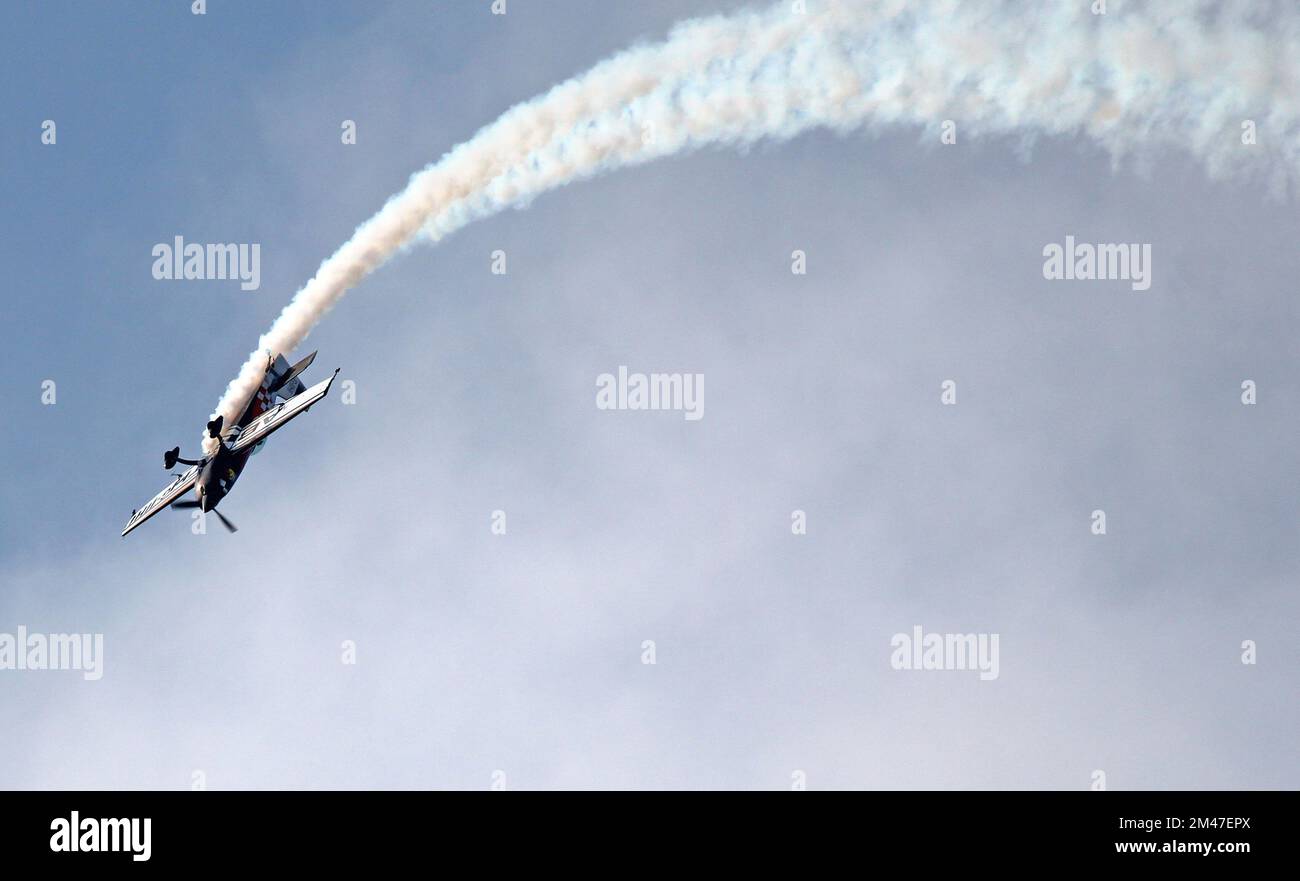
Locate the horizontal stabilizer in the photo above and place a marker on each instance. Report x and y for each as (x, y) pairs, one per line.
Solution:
(285, 381)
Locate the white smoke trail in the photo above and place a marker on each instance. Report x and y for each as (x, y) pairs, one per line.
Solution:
(1138, 80)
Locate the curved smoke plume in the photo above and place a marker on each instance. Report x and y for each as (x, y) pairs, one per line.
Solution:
(1138, 80)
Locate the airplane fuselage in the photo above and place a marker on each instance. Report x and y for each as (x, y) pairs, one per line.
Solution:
(218, 474)
(212, 476)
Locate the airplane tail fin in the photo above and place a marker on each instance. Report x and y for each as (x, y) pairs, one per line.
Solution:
(282, 380)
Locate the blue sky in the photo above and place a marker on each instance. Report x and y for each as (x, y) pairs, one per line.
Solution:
(475, 393)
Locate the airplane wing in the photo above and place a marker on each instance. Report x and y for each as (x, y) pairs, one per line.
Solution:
(278, 415)
(182, 484)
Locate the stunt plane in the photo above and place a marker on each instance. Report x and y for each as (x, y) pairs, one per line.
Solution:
(213, 476)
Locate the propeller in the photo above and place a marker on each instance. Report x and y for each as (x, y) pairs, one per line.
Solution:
(224, 522)
(192, 503)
